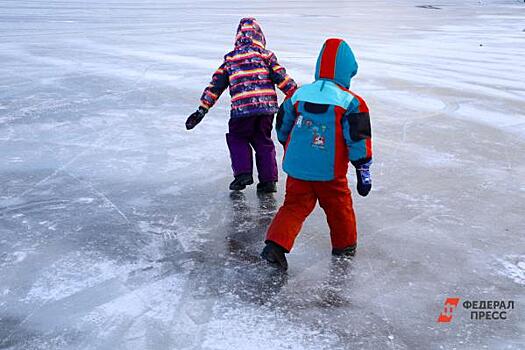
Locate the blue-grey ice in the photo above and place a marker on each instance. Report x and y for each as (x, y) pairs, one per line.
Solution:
(117, 230)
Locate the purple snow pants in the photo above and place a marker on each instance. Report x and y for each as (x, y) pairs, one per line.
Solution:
(254, 132)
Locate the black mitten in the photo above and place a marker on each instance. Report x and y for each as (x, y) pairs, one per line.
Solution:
(195, 118)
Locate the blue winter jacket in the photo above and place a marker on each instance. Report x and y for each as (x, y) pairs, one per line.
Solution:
(324, 125)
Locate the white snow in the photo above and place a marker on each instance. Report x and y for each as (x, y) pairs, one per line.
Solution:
(72, 274)
(513, 267)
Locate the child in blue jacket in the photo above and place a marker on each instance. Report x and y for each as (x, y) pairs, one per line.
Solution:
(323, 126)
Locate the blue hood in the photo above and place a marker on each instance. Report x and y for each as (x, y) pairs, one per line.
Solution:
(336, 62)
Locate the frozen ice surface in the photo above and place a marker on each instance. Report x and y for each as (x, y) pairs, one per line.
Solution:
(116, 227)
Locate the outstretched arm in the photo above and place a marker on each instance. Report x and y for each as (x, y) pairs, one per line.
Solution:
(278, 74)
(218, 84)
(211, 94)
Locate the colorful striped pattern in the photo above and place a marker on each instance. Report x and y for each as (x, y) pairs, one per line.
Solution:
(249, 32)
(251, 73)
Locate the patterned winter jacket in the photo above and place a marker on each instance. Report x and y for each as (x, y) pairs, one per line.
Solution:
(324, 125)
(250, 71)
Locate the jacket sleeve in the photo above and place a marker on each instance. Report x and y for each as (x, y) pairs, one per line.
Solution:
(219, 83)
(358, 132)
(278, 74)
(285, 120)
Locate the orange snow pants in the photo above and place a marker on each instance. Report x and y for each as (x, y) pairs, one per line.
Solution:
(300, 199)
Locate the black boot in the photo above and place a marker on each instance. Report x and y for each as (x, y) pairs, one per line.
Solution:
(347, 252)
(274, 254)
(267, 187)
(241, 181)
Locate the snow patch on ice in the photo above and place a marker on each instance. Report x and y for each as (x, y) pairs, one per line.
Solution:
(513, 267)
(433, 158)
(504, 120)
(85, 200)
(72, 274)
(412, 101)
(233, 329)
(15, 257)
(15, 160)
(155, 305)
(19, 256)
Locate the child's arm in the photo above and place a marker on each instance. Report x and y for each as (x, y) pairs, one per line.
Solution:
(211, 94)
(218, 84)
(278, 74)
(358, 136)
(285, 120)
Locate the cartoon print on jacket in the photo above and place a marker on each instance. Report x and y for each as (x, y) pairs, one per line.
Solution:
(319, 140)
(317, 131)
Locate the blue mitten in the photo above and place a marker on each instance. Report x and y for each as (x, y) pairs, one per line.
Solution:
(364, 180)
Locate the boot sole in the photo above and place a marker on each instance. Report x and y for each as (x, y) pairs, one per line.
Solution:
(266, 190)
(241, 186)
(237, 188)
(347, 252)
(275, 264)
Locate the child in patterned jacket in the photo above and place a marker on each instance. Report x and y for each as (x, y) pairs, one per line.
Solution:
(251, 73)
(324, 126)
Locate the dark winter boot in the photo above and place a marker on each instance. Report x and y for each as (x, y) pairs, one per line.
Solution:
(274, 254)
(346, 252)
(267, 187)
(241, 181)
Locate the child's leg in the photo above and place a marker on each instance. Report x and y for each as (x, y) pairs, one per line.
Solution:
(336, 201)
(238, 139)
(264, 148)
(299, 202)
